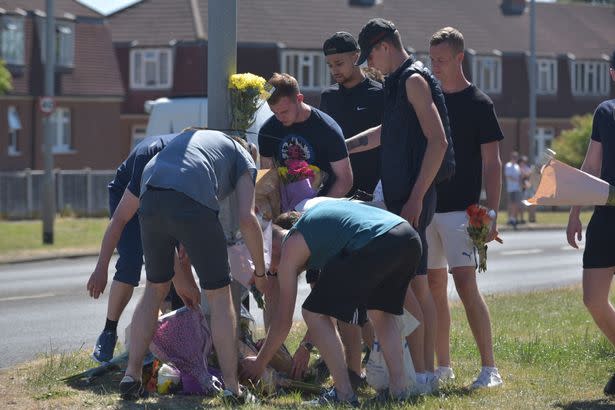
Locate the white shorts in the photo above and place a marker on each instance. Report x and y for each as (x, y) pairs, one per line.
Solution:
(448, 241)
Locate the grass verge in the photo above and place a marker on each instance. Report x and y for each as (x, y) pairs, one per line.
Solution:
(550, 354)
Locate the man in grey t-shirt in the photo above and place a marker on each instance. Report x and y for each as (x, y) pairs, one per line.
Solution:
(180, 191)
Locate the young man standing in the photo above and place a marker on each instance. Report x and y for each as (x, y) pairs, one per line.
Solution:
(369, 253)
(180, 194)
(355, 102)
(598, 257)
(512, 172)
(298, 131)
(413, 142)
(476, 135)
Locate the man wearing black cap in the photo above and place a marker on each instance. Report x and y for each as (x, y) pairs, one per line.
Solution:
(598, 256)
(413, 139)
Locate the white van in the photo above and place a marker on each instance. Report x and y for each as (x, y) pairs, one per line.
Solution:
(170, 115)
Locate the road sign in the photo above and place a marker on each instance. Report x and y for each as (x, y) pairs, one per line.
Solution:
(47, 105)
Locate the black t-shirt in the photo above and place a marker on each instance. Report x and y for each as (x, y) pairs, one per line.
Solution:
(128, 174)
(317, 140)
(603, 131)
(473, 122)
(357, 109)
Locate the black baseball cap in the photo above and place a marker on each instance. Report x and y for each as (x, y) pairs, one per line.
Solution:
(340, 42)
(371, 34)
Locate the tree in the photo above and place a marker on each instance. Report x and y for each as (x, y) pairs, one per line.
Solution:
(571, 145)
(6, 80)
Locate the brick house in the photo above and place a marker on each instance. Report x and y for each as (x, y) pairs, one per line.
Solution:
(88, 89)
(161, 48)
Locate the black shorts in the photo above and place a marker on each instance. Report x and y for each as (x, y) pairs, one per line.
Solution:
(429, 208)
(599, 251)
(375, 277)
(168, 217)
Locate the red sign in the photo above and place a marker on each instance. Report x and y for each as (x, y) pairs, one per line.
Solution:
(47, 105)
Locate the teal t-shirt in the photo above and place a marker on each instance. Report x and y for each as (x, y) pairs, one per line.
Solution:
(331, 227)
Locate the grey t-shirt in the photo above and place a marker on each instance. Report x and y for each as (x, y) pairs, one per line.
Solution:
(205, 165)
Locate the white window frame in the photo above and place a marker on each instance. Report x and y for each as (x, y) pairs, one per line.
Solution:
(14, 128)
(590, 78)
(306, 59)
(12, 45)
(145, 56)
(62, 141)
(65, 42)
(542, 135)
(495, 76)
(139, 133)
(546, 68)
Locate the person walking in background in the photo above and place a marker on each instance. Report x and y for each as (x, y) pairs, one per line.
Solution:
(512, 173)
(527, 189)
(476, 138)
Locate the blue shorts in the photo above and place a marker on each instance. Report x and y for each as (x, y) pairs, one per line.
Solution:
(130, 261)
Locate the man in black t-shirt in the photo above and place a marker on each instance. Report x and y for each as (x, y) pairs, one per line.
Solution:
(355, 102)
(298, 131)
(476, 134)
(598, 257)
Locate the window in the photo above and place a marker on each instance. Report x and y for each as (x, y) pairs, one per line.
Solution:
(60, 119)
(65, 42)
(487, 73)
(151, 68)
(14, 129)
(138, 134)
(590, 78)
(546, 81)
(309, 68)
(543, 137)
(12, 39)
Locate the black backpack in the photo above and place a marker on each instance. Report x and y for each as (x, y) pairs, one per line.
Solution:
(447, 168)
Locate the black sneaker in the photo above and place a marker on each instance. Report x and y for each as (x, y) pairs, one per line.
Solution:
(330, 399)
(357, 381)
(105, 345)
(609, 389)
(131, 389)
(232, 399)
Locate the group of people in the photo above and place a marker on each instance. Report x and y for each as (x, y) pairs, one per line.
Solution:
(519, 186)
(427, 141)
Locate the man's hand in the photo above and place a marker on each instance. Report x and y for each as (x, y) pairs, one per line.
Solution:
(411, 211)
(575, 228)
(263, 284)
(97, 283)
(251, 368)
(493, 232)
(301, 360)
(190, 295)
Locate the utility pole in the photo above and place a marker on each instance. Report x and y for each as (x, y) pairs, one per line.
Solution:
(221, 60)
(49, 208)
(532, 77)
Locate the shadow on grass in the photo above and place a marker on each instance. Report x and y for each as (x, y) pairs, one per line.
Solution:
(598, 404)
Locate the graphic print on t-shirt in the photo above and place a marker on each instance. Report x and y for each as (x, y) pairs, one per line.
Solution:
(294, 146)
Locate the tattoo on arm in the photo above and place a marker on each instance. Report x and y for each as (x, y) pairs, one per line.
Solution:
(357, 142)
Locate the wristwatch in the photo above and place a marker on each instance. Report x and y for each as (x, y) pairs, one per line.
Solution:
(307, 346)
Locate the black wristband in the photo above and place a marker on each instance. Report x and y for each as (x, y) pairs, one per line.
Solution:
(259, 276)
(269, 273)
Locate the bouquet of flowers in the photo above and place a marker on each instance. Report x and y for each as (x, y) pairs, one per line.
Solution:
(479, 225)
(248, 92)
(299, 182)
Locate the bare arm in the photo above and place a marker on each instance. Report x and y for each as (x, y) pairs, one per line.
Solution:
(492, 175)
(266, 162)
(343, 178)
(249, 226)
(126, 209)
(364, 141)
(592, 165)
(419, 95)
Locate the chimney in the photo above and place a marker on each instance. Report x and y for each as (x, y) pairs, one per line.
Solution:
(513, 7)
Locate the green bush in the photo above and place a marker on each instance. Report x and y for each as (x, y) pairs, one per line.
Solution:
(6, 80)
(571, 145)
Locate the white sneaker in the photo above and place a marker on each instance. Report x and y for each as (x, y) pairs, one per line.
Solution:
(444, 373)
(488, 377)
(434, 382)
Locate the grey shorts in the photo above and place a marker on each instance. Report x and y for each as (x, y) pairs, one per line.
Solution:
(168, 217)
(514, 197)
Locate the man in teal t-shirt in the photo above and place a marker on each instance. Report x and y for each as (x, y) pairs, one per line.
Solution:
(367, 256)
